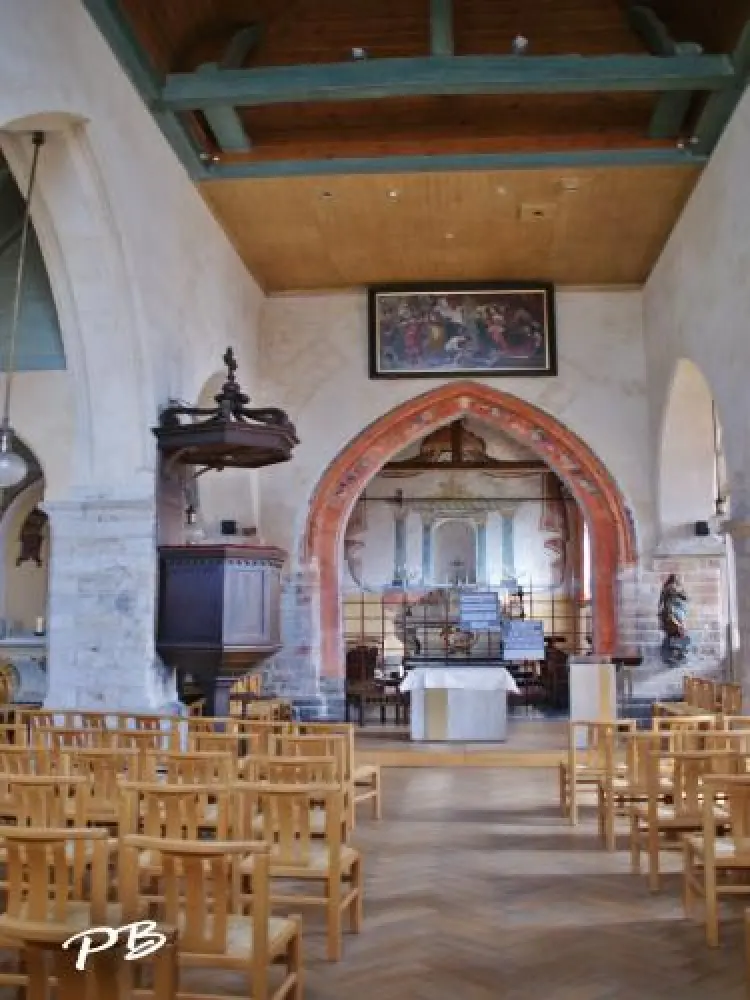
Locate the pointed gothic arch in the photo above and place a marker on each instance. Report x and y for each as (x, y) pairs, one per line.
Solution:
(609, 522)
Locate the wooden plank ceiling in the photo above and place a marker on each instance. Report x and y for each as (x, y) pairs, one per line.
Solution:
(588, 226)
(604, 226)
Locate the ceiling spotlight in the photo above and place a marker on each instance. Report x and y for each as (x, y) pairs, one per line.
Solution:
(501, 189)
(359, 53)
(520, 45)
(570, 183)
(681, 143)
(450, 236)
(393, 194)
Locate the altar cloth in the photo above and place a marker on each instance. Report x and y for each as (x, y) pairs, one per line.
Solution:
(460, 679)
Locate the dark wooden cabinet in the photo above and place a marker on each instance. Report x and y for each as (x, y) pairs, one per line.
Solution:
(219, 614)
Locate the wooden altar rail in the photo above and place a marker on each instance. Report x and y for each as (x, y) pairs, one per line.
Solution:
(704, 696)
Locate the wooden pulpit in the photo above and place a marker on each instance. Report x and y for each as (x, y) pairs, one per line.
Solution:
(219, 614)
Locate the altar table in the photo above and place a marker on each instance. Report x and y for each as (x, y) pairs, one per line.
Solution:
(463, 704)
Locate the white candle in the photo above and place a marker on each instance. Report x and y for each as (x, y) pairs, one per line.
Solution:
(39, 626)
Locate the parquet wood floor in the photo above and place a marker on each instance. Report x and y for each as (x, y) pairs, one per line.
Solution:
(476, 890)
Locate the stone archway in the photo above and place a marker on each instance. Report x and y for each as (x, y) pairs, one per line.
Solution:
(609, 523)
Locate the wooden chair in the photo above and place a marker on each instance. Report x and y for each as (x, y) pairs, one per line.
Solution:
(176, 811)
(619, 790)
(199, 891)
(659, 825)
(48, 903)
(713, 862)
(298, 858)
(587, 764)
(98, 799)
(333, 745)
(365, 778)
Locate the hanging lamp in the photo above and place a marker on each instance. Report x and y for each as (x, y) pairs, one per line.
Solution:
(13, 467)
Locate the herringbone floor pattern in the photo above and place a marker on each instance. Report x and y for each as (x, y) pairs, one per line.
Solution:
(476, 890)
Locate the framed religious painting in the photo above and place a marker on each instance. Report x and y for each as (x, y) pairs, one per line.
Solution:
(439, 331)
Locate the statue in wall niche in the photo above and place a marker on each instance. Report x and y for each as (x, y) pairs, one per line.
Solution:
(32, 537)
(673, 610)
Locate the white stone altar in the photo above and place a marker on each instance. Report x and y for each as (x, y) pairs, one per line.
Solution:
(461, 703)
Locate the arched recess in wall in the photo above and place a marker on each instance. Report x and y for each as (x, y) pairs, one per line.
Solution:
(109, 438)
(24, 551)
(690, 455)
(609, 523)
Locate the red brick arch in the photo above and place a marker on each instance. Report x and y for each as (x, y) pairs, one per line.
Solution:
(610, 527)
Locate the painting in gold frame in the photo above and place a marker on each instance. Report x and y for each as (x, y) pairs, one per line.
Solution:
(439, 331)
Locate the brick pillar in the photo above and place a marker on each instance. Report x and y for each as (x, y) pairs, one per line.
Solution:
(638, 623)
(102, 602)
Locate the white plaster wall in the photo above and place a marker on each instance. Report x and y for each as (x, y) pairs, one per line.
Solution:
(313, 362)
(149, 290)
(697, 300)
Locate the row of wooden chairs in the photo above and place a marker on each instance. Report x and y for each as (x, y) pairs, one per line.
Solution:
(684, 786)
(242, 737)
(703, 695)
(66, 776)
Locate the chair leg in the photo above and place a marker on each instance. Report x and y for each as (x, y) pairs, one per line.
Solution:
(635, 845)
(688, 895)
(377, 809)
(654, 858)
(356, 905)
(294, 961)
(712, 905)
(333, 950)
(573, 800)
(562, 775)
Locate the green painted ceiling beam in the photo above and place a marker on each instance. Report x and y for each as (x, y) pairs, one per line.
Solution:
(112, 23)
(672, 107)
(456, 162)
(441, 27)
(444, 75)
(719, 107)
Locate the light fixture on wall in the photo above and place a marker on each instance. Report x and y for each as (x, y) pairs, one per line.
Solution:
(13, 468)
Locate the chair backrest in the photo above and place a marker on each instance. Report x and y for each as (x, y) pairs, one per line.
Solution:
(317, 745)
(15, 759)
(730, 699)
(201, 880)
(177, 811)
(45, 875)
(689, 770)
(102, 768)
(596, 745)
(219, 743)
(280, 815)
(144, 740)
(194, 767)
(735, 722)
(44, 800)
(345, 729)
(14, 734)
(258, 735)
(292, 770)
